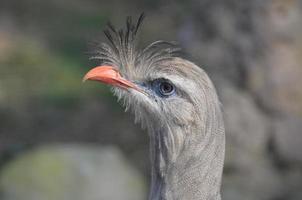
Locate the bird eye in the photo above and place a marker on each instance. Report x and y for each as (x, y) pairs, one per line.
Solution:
(164, 87)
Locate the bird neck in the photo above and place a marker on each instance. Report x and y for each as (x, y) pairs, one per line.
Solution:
(189, 167)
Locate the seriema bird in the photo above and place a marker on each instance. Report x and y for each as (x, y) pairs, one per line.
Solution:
(176, 102)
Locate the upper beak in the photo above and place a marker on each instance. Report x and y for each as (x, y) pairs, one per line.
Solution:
(109, 75)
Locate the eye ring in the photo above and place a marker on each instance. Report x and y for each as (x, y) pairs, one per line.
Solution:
(166, 88)
(163, 87)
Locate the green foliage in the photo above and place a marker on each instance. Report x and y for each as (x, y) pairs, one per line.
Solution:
(32, 71)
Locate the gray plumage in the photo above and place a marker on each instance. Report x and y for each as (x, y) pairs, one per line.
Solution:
(186, 130)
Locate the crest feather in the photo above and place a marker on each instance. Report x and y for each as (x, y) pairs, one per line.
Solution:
(121, 51)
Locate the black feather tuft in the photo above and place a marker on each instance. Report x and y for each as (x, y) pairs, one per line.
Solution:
(122, 53)
(139, 22)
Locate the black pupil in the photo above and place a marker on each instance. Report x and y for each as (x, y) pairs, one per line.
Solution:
(166, 88)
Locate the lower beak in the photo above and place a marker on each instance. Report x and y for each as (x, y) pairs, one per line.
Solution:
(109, 75)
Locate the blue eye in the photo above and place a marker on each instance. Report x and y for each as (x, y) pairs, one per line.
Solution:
(164, 87)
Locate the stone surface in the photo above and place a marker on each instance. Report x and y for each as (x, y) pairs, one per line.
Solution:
(246, 126)
(249, 173)
(71, 172)
(288, 139)
(276, 77)
(255, 181)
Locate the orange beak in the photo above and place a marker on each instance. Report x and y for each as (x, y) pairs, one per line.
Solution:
(109, 75)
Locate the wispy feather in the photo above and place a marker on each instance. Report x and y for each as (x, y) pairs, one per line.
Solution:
(121, 50)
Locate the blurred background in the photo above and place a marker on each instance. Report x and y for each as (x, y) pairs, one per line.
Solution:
(64, 140)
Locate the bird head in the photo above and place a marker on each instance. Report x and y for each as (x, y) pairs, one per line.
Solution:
(163, 90)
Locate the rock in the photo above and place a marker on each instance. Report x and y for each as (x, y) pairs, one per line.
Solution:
(288, 139)
(294, 184)
(276, 77)
(248, 173)
(247, 128)
(71, 172)
(259, 181)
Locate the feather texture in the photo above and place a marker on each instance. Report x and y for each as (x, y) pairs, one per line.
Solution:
(122, 51)
(186, 130)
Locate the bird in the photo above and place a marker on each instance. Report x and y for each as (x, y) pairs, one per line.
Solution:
(176, 102)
